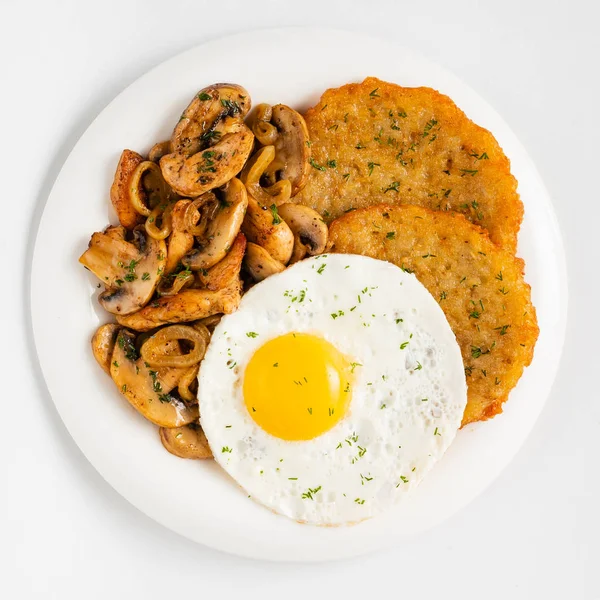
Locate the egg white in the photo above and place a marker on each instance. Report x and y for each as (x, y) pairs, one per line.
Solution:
(408, 395)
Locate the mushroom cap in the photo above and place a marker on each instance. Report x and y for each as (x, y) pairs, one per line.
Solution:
(292, 146)
(103, 343)
(193, 175)
(130, 270)
(263, 226)
(211, 105)
(148, 390)
(307, 225)
(188, 441)
(259, 263)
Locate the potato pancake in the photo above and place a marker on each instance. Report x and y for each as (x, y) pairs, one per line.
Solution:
(376, 142)
(478, 285)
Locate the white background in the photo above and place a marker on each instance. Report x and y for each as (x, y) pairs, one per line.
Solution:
(535, 533)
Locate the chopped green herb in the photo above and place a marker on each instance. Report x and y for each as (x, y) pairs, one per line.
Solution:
(308, 495)
(276, 217)
(316, 165)
(430, 124)
(393, 187)
(371, 166)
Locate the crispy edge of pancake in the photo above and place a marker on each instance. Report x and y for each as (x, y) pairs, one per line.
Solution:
(479, 286)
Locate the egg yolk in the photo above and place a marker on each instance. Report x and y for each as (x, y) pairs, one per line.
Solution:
(297, 386)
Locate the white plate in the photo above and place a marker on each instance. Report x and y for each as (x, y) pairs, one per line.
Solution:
(195, 498)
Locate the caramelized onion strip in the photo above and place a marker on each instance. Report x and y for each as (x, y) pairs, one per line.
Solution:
(151, 349)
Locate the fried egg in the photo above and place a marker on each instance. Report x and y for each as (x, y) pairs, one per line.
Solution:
(333, 389)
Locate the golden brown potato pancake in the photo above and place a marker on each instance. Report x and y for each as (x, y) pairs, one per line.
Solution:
(376, 142)
(478, 285)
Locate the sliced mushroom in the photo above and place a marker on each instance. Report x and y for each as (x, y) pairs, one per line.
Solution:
(98, 257)
(180, 241)
(188, 305)
(148, 390)
(212, 167)
(119, 191)
(130, 270)
(103, 343)
(209, 107)
(227, 270)
(222, 229)
(210, 143)
(260, 264)
(300, 250)
(186, 442)
(292, 146)
(263, 226)
(309, 229)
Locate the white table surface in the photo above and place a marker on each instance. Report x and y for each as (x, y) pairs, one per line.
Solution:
(535, 533)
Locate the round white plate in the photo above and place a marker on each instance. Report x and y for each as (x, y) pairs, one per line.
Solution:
(195, 498)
